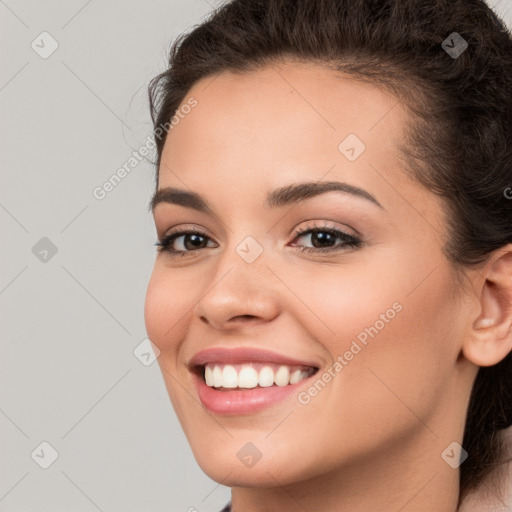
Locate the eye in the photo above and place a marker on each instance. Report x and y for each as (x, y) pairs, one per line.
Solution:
(195, 238)
(324, 239)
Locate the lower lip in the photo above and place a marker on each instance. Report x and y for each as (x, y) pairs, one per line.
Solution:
(243, 401)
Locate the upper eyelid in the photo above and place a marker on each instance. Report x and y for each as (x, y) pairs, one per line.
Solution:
(184, 227)
(351, 209)
(326, 226)
(191, 225)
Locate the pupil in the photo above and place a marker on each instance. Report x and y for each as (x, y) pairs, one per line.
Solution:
(195, 240)
(321, 236)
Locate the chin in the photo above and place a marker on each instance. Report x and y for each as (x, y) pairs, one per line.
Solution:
(264, 475)
(237, 464)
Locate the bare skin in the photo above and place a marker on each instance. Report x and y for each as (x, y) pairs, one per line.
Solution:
(372, 438)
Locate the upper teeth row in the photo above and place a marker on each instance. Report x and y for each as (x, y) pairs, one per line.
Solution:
(227, 376)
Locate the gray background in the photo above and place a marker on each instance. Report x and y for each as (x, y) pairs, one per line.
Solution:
(72, 320)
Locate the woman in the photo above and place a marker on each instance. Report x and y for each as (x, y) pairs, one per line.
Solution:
(332, 296)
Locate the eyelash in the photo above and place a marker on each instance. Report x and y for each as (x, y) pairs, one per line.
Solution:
(164, 243)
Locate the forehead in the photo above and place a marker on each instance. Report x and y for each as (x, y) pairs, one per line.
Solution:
(309, 100)
(284, 111)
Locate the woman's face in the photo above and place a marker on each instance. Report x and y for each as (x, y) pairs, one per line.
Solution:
(379, 317)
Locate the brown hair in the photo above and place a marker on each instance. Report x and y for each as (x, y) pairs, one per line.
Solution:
(460, 137)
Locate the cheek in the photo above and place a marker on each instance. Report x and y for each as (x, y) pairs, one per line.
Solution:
(165, 309)
(154, 308)
(341, 305)
(393, 330)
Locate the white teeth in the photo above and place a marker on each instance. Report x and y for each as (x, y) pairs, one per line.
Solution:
(266, 377)
(247, 375)
(229, 377)
(208, 376)
(282, 376)
(217, 376)
(294, 377)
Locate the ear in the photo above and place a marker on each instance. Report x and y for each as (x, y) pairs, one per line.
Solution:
(489, 339)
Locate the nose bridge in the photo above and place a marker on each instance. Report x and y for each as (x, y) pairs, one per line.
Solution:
(244, 263)
(241, 284)
(247, 247)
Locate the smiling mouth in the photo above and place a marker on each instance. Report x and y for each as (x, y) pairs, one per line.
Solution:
(252, 375)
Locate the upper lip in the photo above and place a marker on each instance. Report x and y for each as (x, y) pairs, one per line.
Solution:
(243, 355)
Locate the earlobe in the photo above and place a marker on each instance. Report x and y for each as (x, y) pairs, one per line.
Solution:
(489, 338)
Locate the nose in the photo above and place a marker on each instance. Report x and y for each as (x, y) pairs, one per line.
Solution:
(239, 293)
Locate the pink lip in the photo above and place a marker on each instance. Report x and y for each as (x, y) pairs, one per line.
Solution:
(243, 401)
(243, 355)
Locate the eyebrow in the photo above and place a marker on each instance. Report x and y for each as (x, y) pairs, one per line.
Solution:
(277, 198)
